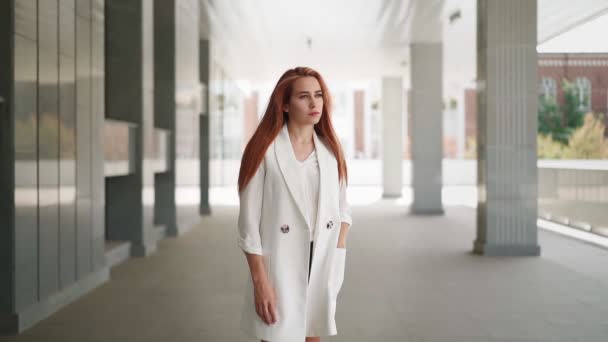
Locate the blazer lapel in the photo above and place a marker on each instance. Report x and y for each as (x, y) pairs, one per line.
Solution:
(323, 156)
(286, 159)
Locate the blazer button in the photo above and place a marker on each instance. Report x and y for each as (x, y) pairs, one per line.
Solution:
(285, 229)
(330, 224)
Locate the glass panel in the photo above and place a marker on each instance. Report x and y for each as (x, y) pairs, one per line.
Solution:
(67, 166)
(25, 18)
(26, 171)
(574, 193)
(67, 32)
(48, 147)
(83, 138)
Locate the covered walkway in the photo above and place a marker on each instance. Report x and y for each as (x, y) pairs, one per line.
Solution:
(408, 278)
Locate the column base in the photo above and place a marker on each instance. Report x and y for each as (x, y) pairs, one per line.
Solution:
(15, 323)
(143, 250)
(427, 211)
(178, 230)
(205, 209)
(486, 249)
(117, 252)
(9, 324)
(161, 231)
(389, 195)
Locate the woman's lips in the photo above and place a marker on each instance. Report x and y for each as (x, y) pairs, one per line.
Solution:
(313, 113)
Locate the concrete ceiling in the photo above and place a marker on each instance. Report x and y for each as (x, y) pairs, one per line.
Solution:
(343, 38)
(559, 16)
(348, 39)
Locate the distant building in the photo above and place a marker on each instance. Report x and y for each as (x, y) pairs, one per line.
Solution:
(588, 71)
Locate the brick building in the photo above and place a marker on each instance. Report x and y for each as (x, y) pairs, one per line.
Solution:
(588, 71)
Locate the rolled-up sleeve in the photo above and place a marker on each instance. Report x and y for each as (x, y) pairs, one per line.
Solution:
(345, 211)
(250, 213)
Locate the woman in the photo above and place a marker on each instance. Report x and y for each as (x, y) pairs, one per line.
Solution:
(293, 217)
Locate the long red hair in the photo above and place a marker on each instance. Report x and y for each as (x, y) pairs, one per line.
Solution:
(274, 118)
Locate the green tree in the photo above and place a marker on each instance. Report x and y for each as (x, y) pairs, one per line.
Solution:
(573, 113)
(549, 117)
(560, 121)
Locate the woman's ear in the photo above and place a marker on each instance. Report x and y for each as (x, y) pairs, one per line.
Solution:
(286, 108)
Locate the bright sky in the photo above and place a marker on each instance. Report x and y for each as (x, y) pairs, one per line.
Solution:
(588, 37)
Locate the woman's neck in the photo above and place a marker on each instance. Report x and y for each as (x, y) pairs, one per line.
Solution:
(300, 134)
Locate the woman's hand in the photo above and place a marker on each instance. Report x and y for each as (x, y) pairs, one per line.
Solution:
(264, 294)
(265, 301)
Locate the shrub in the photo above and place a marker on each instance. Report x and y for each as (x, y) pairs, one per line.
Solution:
(588, 141)
(548, 148)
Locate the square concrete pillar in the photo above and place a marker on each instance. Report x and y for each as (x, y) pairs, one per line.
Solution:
(427, 131)
(507, 128)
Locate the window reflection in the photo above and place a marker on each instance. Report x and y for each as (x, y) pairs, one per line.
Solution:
(118, 147)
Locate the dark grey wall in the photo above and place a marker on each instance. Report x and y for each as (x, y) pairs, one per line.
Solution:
(164, 109)
(51, 153)
(7, 276)
(123, 53)
(130, 98)
(176, 75)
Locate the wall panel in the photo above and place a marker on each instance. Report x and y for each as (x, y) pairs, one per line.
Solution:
(25, 107)
(67, 143)
(83, 138)
(48, 147)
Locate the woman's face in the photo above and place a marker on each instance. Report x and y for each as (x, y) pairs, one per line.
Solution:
(306, 102)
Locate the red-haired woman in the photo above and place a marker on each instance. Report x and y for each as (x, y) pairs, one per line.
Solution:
(293, 216)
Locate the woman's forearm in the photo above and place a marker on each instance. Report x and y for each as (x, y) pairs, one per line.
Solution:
(264, 294)
(256, 267)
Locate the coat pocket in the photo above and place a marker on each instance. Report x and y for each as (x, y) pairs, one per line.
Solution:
(336, 278)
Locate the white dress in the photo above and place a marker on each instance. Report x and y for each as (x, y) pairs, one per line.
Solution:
(310, 188)
(309, 169)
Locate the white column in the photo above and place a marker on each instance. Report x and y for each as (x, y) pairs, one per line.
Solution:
(427, 123)
(506, 128)
(392, 136)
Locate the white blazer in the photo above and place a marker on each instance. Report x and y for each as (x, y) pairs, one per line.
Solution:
(272, 223)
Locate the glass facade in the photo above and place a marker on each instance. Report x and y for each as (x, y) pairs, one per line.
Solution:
(58, 197)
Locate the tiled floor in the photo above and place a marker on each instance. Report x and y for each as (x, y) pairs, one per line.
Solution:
(408, 279)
